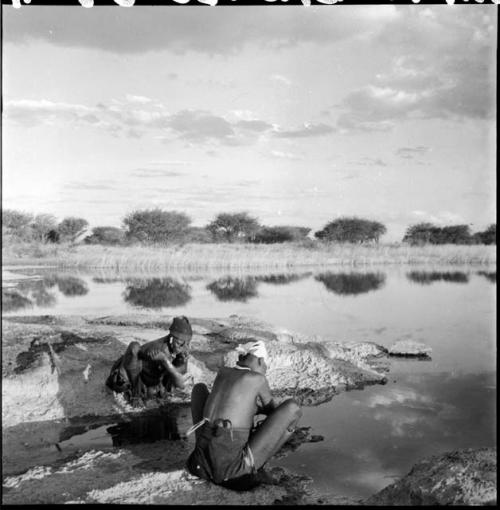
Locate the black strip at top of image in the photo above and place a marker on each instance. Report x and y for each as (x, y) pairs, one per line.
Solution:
(208, 3)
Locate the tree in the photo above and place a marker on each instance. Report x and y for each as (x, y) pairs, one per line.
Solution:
(70, 228)
(155, 225)
(16, 223)
(424, 233)
(197, 235)
(418, 234)
(234, 226)
(280, 234)
(455, 234)
(351, 230)
(488, 236)
(42, 225)
(106, 235)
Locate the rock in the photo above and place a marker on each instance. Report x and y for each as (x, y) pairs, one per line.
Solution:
(410, 348)
(464, 477)
(55, 371)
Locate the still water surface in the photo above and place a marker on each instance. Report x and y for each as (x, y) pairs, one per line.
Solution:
(372, 436)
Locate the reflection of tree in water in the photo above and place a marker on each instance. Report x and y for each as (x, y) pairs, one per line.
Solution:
(428, 277)
(234, 289)
(351, 283)
(282, 279)
(36, 291)
(12, 300)
(156, 293)
(489, 275)
(106, 280)
(69, 285)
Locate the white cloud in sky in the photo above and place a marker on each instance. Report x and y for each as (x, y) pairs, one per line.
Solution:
(308, 130)
(286, 155)
(439, 218)
(412, 152)
(282, 80)
(138, 99)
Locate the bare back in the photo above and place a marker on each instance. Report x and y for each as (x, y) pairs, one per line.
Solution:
(236, 395)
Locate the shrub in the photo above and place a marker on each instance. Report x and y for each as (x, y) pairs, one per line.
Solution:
(155, 225)
(489, 236)
(17, 224)
(231, 227)
(424, 233)
(280, 234)
(70, 228)
(106, 235)
(351, 230)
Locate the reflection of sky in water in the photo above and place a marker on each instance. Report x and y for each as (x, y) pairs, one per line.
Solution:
(376, 435)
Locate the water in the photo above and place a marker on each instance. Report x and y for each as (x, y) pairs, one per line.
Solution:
(372, 436)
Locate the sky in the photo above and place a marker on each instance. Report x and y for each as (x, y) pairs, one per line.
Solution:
(297, 115)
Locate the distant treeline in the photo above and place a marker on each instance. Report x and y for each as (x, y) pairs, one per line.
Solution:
(156, 226)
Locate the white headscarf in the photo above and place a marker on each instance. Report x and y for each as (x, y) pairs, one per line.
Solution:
(257, 348)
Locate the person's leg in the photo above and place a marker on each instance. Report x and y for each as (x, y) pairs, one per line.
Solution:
(199, 395)
(133, 366)
(274, 432)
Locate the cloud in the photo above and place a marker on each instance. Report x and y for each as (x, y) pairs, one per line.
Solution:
(412, 152)
(182, 29)
(137, 117)
(439, 218)
(138, 99)
(154, 173)
(200, 126)
(283, 80)
(285, 155)
(89, 186)
(371, 162)
(444, 68)
(307, 131)
(254, 125)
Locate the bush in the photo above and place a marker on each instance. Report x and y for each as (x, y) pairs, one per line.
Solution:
(351, 230)
(232, 227)
(280, 234)
(17, 224)
(70, 228)
(197, 235)
(427, 233)
(489, 236)
(156, 226)
(106, 235)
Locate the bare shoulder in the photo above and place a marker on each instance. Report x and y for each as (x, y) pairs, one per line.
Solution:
(255, 378)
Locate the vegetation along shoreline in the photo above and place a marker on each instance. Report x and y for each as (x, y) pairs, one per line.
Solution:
(154, 239)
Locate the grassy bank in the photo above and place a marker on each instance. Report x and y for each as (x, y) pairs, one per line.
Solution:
(240, 256)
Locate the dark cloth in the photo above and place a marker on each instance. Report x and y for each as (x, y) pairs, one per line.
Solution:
(223, 456)
(118, 379)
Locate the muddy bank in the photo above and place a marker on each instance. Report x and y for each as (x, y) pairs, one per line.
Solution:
(464, 477)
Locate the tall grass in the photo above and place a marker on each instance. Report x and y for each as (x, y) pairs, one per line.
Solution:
(243, 256)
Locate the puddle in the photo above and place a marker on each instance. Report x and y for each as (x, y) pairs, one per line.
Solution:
(165, 424)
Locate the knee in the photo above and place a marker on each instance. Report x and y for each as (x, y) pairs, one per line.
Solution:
(199, 389)
(131, 356)
(292, 408)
